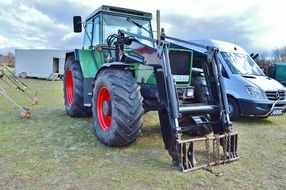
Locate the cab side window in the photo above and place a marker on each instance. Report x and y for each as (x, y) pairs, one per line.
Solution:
(95, 39)
(87, 34)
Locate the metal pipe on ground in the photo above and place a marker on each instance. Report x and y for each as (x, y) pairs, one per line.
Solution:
(14, 82)
(25, 112)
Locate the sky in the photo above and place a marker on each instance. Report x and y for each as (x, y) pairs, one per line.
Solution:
(257, 25)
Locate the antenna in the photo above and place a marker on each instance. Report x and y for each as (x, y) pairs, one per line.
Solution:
(235, 43)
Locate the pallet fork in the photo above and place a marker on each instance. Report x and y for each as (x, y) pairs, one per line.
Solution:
(181, 147)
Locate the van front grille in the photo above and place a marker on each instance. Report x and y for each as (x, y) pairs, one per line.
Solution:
(275, 95)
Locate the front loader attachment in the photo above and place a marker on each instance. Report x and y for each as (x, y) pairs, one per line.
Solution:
(182, 148)
(219, 149)
(172, 111)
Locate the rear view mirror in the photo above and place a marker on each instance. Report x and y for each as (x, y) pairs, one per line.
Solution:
(77, 24)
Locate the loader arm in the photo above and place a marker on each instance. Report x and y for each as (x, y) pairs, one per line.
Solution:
(170, 110)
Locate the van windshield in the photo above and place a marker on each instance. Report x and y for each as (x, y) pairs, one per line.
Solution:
(111, 25)
(241, 64)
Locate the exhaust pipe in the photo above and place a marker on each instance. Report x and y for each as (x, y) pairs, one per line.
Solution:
(158, 24)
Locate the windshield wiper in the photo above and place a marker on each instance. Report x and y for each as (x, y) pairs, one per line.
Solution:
(248, 76)
(137, 24)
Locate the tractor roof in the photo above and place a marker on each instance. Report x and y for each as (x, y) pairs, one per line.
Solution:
(119, 10)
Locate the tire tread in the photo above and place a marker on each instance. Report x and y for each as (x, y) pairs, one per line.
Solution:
(127, 108)
(77, 109)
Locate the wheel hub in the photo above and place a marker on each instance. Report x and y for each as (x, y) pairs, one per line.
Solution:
(106, 108)
(230, 109)
(69, 87)
(103, 106)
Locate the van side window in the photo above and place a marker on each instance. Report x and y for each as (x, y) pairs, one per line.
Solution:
(224, 73)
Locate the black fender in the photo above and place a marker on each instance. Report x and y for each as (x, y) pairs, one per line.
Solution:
(89, 82)
(114, 65)
(73, 53)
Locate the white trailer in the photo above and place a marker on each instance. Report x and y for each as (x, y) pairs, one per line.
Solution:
(39, 63)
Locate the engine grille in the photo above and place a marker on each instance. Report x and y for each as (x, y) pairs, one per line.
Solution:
(180, 62)
(275, 95)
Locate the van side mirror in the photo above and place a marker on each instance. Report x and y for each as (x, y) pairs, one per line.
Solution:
(77, 24)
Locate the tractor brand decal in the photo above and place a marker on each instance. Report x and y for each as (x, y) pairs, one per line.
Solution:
(181, 78)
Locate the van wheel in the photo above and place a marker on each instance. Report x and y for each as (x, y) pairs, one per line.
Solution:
(233, 109)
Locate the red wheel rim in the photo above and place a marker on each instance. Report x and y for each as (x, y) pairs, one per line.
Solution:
(69, 87)
(104, 108)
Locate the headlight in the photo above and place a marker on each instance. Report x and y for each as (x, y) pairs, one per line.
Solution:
(190, 92)
(255, 92)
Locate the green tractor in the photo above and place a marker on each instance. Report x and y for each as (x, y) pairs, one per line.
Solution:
(121, 72)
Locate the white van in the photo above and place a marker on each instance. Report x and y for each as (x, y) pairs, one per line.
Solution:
(249, 91)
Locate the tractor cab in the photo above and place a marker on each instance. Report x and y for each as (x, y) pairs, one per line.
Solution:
(107, 20)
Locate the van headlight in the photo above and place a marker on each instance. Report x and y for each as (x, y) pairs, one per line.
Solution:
(255, 92)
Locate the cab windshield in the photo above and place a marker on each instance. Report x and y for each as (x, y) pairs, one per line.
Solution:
(241, 64)
(111, 25)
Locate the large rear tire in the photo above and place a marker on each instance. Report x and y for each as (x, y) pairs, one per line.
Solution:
(74, 90)
(117, 107)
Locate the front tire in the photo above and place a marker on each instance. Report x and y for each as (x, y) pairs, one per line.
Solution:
(201, 89)
(233, 109)
(117, 107)
(74, 90)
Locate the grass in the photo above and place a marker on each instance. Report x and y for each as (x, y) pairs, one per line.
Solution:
(53, 151)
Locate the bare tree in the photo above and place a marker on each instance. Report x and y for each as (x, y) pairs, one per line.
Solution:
(1, 59)
(263, 63)
(8, 59)
(279, 54)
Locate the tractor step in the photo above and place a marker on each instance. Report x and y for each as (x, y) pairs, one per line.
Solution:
(224, 150)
